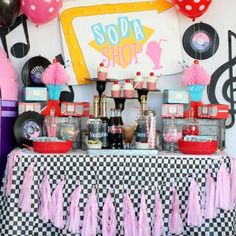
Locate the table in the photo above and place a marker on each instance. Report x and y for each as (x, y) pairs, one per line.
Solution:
(117, 174)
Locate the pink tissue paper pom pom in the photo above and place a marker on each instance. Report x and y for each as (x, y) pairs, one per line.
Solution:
(55, 74)
(196, 74)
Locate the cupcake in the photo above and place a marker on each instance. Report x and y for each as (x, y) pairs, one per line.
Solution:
(128, 89)
(138, 81)
(115, 90)
(151, 81)
(102, 72)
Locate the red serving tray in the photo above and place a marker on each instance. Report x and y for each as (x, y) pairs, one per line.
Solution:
(198, 148)
(52, 147)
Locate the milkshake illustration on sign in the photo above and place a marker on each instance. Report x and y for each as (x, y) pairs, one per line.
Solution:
(154, 52)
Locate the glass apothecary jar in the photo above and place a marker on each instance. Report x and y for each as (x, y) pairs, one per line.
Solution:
(171, 135)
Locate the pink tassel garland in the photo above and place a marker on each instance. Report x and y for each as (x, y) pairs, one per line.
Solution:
(73, 221)
(143, 225)
(157, 219)
(108, 218)
(57, 206)
(130, 221)
(223, 195)
(25, 194)
(9, 170)
(193, 210)
(45, 207)
(175, 221)
(233, 182)
(90, 216)
(209, 211)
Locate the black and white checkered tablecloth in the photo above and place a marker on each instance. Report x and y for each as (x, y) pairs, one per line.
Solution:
(117, 173)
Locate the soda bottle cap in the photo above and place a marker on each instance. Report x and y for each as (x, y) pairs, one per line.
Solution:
(116, 82)
(127, 80)
(151, 74)
(138, 73)
(101, 64)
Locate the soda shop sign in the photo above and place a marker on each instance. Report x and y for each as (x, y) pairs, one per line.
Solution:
(126, 38)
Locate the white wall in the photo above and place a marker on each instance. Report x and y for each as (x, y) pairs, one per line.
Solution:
(45, 40)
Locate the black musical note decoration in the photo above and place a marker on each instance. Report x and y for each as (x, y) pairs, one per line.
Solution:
(228, 89)
(67, 96)
(19, 49)
(60, 59)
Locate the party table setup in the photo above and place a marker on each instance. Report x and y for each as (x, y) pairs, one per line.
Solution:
(99, 140)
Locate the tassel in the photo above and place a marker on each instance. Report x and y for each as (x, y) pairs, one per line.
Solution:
(157, 219)
(90, 216)
(9, 170)
(130, 222)
(45, 208)
(143, 225)
(223, 196)
(175, 221)
(193, 211)
(57, 206)
(233, 182)
(108, 218)
(25, 194)
(73, 221)
(209, 204)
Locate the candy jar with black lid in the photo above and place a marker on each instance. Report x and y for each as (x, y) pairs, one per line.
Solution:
(171, 135)
(191, 126)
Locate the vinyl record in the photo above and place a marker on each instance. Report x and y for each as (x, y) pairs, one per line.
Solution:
(28, 126)
(200, 41)
(32, 71)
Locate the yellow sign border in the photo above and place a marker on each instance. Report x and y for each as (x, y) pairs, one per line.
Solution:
(67, 17)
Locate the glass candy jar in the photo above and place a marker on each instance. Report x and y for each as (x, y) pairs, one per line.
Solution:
(191, 126)
(171, 135)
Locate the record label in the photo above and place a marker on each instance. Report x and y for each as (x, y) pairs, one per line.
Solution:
(200, 41)
(28, 126)
(32, 71)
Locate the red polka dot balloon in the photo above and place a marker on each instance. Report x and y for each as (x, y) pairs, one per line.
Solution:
(41, 11)
(192, 8)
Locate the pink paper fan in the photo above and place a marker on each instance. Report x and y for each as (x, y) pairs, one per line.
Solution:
(55, 74)
(196, 74)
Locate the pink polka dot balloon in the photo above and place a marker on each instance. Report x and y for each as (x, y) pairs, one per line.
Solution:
(41, 11)
(192, 8)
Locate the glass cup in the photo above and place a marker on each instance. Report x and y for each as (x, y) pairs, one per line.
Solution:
(128, 134)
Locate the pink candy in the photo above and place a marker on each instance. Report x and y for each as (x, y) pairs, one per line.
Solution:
(172, 137)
